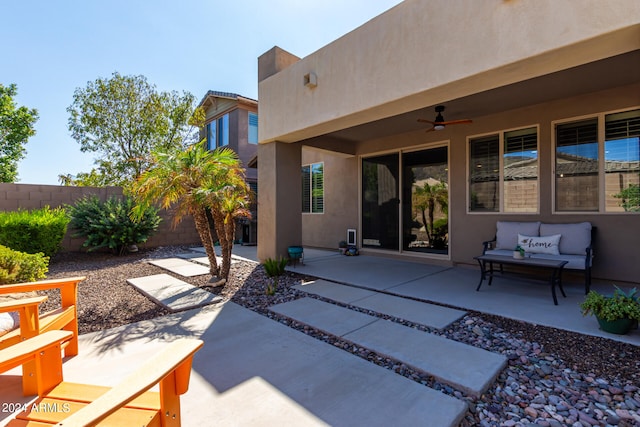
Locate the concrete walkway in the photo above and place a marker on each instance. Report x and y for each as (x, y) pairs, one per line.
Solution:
(431, 315)
(253, 371)
(466, 368)
(171, 293)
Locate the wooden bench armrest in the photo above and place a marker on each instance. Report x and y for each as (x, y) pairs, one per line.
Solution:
(27, 350)
(42, 285)
(171, 368)
(16, 305)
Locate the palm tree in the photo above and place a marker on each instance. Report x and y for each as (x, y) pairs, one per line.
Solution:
(426, 198)
(190, 182)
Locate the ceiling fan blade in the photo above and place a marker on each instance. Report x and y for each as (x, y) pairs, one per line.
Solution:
(425, 121)
(457, 122)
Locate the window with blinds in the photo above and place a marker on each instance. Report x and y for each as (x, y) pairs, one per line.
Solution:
(503, 172)
(622, 162)
(253, 129)
(576, 166)
(520, 170)
(313, 188)
(484, 174)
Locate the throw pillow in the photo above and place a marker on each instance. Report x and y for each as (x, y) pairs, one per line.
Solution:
(540, 245)
(7, 323)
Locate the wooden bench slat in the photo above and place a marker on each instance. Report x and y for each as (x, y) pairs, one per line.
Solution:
(52, 411)
(88, 393)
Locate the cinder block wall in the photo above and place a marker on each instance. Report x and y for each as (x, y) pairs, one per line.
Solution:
(29, 196)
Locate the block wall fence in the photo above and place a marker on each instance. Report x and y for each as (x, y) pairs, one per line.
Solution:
(30, 196)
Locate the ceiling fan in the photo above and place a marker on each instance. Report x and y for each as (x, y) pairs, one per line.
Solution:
(439, 123)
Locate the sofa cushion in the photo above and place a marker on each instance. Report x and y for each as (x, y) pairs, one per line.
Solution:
(575, 262)
(575, 239)
(507, 232)
(540, 245)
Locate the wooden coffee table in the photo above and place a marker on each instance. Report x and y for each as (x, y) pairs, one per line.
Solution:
(555, 266)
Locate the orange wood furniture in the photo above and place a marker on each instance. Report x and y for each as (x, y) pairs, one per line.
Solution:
(128, 403)
(32, 322)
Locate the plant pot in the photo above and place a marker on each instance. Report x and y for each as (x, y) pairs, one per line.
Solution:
(518, 255)
(618, 327)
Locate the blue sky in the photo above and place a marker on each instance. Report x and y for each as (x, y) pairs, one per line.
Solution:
(50, 48)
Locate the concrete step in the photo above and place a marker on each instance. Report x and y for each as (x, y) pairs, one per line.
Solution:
(464, 367)
(431, 315)
(180, 266)
(172, 293)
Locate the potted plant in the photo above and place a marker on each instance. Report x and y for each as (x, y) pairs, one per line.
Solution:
(342, 246)
(518, 252)
(615, 313)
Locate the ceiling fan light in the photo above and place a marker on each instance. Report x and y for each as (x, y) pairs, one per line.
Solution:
(438, 126)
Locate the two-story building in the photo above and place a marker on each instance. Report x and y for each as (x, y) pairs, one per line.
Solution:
(232, 121)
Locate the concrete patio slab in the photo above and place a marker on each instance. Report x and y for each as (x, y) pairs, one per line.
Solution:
(253, 371)
(431, 315)
(197, 257)
(180, 266)
(335, 291)
(172, 293)
(365, 271)
(467, 368)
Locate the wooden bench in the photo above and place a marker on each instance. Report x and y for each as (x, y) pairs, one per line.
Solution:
(78, 405)
(32, 322)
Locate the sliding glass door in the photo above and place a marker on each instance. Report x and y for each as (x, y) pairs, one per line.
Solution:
(380, 202)
(405, 201)
(425, 201)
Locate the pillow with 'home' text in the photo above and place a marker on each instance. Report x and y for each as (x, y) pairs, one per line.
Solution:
(540, 245)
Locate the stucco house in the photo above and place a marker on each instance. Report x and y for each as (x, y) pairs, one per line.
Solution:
(544, 97)
(232, 121)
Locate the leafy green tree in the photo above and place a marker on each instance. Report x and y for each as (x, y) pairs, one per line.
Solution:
(193, 181)
(630, 198)
(123, 119)
(16, 126)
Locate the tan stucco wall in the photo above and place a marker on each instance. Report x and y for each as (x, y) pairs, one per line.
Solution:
(326, 230)
(426, 52)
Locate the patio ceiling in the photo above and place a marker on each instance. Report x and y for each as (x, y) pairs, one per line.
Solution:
(608, 73)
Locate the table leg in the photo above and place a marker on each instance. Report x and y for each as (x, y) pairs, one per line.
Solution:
(483, 274)
(556, 279)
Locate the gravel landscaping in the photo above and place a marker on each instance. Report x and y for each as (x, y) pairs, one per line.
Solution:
(553, 378)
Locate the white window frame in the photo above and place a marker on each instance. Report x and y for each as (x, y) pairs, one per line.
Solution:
(601, 118)
(501, 140)
(311, 165)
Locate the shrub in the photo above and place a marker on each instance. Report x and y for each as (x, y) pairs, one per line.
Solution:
(109, 224)
(35, 231)
(17, 267)
(274, 268)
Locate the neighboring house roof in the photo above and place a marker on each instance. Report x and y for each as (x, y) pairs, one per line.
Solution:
(567, 164)
(228, 95)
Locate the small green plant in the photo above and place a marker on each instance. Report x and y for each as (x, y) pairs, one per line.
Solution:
(274, 268)
(520, 249)
(110, 224)
(18, 267)
(620, 305)
(34, 231)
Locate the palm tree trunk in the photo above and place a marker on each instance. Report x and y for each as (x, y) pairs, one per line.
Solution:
(202, 226)
(230, 228)
(218, 219)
